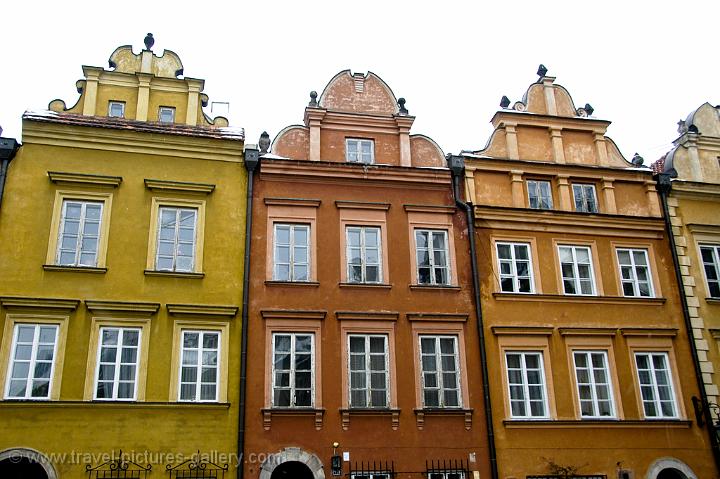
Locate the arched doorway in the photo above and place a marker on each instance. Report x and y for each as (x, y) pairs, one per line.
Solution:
(292, 470)
(671, 473)
(292, 463)
(21, 468)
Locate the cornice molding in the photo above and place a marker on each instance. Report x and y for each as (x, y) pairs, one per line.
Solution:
(522, 330)
(476, 163)
(201, 310)
(440, 317)
(179, 186)
(292, 202)
(83, 179)
(39, 303)
(132, 141)
(568, 298)
(292, 314)
(362, 205)
(695, 190)
(100, 306)
(366, 316)
(571, 331)
(525, 219)
(352, 173)
(430, 209)
(649, 332)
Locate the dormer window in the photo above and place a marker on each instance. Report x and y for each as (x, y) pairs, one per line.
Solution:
(166, 114)
(116, 109)
(360, 151)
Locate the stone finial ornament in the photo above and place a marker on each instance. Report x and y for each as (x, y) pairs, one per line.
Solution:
(149, 41)
(264, 142)
(504, 102)
(637, 160)
(542, 70)
(401, 104)
(313, 99)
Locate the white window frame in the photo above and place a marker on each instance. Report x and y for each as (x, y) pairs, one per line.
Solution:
(82, 221)
(164, 110)
(292, 263)
(587, 192)
(513, 262)
(357, 144)
(593, 384)
(576, 279)
(535, 191)
(117, 363)
(439, 371)
(715, 264)
(121, 104)
(176, 238)
(654, 387)
(446, 474)
(633, 269)
(363, 254)
(368, 371)
(430, 248)
(292, 370)
(199, 366)
(32, 362)
(371, 475)
(526, 385)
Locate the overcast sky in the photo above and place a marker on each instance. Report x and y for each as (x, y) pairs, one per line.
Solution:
(641, 65)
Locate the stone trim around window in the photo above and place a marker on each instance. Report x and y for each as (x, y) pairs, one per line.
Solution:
(13, 319)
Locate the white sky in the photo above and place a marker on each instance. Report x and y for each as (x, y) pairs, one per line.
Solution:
(642, 65)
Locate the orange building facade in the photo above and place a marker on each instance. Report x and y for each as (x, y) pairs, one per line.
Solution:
(363, 341)
(591, 371)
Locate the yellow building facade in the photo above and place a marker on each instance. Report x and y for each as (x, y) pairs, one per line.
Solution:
(123, 225)
(693, 203)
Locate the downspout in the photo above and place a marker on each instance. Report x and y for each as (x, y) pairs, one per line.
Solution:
(252, 161)
(8, 148)
(457, 167)
(703, 415)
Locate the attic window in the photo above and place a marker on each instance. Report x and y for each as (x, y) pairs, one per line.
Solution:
(116, 109)
(359, 151)
(166, 114)
(359, 82)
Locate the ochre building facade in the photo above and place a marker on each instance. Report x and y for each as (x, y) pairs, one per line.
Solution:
(591, 371)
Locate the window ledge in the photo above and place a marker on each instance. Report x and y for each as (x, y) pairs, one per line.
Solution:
(74, 269)
(712, 300)
(595, 423)
(566, 298)
(394, 414)
(293, 284)
(434, 287)
(365, 285)
(268, 413)
(174, 274)
(420, 414)
(32, 403)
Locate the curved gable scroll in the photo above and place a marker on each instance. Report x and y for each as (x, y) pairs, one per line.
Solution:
(358, 93)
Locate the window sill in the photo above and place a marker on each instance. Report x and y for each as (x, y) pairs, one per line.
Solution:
(566, 298)
(434, 287)
(74, 269)
(365, 285)
(174, 274)
(12, 403)
(394, 414)
(595, 423)
(712, 300)
(421, 413)
(268, 414)
(293, 284)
